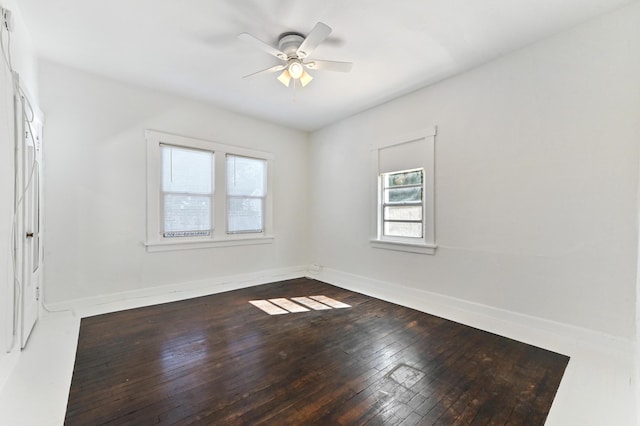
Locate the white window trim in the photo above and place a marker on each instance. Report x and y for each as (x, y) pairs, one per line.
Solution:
(219, 237)
(209, 195)
(262, 198)
(426, 244)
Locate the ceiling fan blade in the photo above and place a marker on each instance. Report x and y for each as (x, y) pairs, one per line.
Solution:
(316, 36)
(263, 46)
(267, 71)
(317, 64)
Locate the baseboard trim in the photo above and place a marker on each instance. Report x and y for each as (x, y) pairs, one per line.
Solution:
(551, 335)
(544, 333)
(91, 306)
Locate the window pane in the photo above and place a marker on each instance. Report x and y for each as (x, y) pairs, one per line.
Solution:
(403, 195)
(246, 176)
(186, 215)
(403, 213)
(407, 178)
(400, 229)
(186, 170)
(244, 214)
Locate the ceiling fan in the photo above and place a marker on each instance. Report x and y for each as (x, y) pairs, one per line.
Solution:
(294, 50)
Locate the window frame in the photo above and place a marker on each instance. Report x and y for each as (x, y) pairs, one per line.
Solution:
(155, 241)
(163, 195)
(262, 198)
(384, 204)
(426, 244)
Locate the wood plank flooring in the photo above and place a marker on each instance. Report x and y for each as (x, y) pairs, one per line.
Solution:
(220, 360)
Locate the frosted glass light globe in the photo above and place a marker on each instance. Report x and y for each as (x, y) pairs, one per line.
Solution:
(295, 69)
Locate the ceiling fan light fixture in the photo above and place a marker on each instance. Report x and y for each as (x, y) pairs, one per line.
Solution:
(285, 77)
(294, 50)
(305, 78)
(295, 69)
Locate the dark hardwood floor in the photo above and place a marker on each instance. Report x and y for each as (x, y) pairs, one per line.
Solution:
(220, 360)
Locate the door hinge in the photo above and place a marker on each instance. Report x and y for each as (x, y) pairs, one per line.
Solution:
(37, 293)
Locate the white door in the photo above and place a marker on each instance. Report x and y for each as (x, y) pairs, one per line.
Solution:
(31, 154)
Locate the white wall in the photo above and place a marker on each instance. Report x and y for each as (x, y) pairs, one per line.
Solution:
(536, 181)
(95, 194)
(24, 62)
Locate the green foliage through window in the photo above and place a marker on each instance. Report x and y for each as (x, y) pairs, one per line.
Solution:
(402, 209)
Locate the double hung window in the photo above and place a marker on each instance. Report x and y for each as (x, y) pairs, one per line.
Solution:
(246, 193)
(205, 194)
(187, 192)
(404, 194)
(402, 204)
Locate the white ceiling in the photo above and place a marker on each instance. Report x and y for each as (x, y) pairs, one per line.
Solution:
(190, 47)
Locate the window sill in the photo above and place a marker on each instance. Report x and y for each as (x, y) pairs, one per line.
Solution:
(158, 246)
(402, 246)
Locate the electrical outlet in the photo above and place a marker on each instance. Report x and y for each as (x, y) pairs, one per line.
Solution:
(315, 269)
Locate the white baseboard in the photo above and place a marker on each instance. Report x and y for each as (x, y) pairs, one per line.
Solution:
(540, 332)
(551, 335)
(98, 305)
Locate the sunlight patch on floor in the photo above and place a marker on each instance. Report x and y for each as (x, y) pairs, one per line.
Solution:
(268, 307)
(288, 305)
(330, 302)
(283, 305)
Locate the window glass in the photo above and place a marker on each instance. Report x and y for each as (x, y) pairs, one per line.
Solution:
(208, 193)
(245, 214)
(403, 212)
(187, 177)
(186, 170)
(403, 229)
(402, 204)
(246, 191)
(404, 178)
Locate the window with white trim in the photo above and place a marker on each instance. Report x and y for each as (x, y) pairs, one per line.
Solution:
(404, 194)
(402, 204)
(246, 193)
(206, 194)
(187, 192)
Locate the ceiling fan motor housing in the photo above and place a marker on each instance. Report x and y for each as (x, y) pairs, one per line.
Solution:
(293, 49)
(289, 44)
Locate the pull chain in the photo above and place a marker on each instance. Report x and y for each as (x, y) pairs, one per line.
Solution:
(294, 91)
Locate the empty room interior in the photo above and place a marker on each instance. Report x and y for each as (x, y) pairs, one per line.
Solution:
(286, 212)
